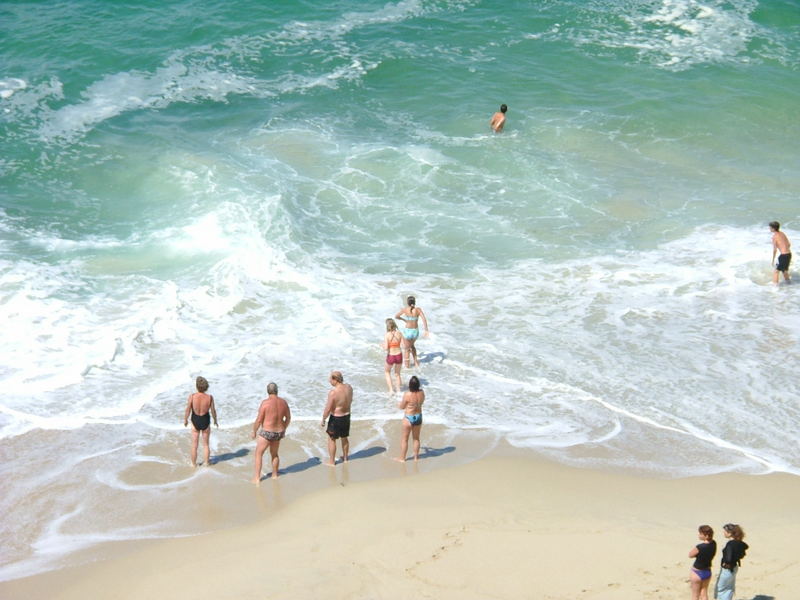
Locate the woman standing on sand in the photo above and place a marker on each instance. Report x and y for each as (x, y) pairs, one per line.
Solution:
(411, 314)
(732, 554)
(411, 405)
(200, 407)
(703, 553)
(392, 341)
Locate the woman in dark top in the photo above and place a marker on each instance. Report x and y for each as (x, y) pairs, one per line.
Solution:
(732, 554)
(703, 553)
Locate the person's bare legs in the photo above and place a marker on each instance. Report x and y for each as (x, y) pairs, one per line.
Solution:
(414, 354)
(415, 431)
(397, 368)
(387, 374)
(261, 445)
(404, 441)
(345, 449)
(704, 589)
(331, 452)
(406, 352)
(276, 461)
(695, 583)
(195, 440)
(207, 450)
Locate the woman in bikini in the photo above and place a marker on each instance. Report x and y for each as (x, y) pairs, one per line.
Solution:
(392, 341)
(411, 405)
(703, 553)
(411, 314)
(198, 407)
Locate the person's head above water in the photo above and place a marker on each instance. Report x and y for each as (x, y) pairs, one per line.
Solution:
(412, 302)
(503, 108)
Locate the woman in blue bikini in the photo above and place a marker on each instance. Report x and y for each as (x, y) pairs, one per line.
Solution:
(411, 405)
(411, 314)
(703, 553)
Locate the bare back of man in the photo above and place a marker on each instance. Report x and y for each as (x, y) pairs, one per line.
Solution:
(337, 412)
(270, 426)
(499, 119)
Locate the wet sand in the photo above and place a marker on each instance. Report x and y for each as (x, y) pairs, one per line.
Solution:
(509, 525)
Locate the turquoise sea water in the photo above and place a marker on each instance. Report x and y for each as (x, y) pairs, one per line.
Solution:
(247, 189)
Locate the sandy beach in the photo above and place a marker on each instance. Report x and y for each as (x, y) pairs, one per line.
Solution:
(507, 526)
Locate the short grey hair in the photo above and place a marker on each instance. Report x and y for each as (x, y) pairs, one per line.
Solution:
(272, 388)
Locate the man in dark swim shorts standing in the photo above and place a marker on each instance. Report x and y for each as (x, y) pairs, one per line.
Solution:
(782, 245)
(198, 407)
(270, 425)
(338, 407)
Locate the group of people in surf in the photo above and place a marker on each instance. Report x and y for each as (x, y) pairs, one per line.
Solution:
(274, 415)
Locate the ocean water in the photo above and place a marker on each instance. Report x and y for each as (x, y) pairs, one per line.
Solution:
(246, 190)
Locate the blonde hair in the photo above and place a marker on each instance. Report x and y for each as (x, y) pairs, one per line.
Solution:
(337, 376)
(391, 325)
(201, 383)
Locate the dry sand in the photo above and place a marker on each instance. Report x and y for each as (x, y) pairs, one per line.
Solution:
(507, 526)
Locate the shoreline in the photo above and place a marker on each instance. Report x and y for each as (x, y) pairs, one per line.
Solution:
(499, 526)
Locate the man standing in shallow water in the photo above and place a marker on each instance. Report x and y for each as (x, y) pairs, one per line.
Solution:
(338, 407)
(499, 119)
(270, 425)
(782, 245)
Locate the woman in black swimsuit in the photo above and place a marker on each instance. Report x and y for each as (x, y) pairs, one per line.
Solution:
(199, 406)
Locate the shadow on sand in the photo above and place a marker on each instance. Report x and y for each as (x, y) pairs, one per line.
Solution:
(366, 453)
(428, 452)
(229, 456)
(763, 597)
(296, 468)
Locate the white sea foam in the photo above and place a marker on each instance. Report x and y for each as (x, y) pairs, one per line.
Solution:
(672, 34)
(9, 86)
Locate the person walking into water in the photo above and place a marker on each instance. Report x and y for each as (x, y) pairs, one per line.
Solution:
(411, 314)
(392, 343)
(499, 119)
(198, 408)
(270, 426)
(782, 247)
(337, 412)
(411, 405)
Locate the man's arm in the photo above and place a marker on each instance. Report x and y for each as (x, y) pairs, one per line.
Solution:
(213, 412)
(188, 410)
(259, 419)
(774, 248)
(328, 407)
(288, 418)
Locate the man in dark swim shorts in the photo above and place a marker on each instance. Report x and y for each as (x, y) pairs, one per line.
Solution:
(338, 408)
(782, 247)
